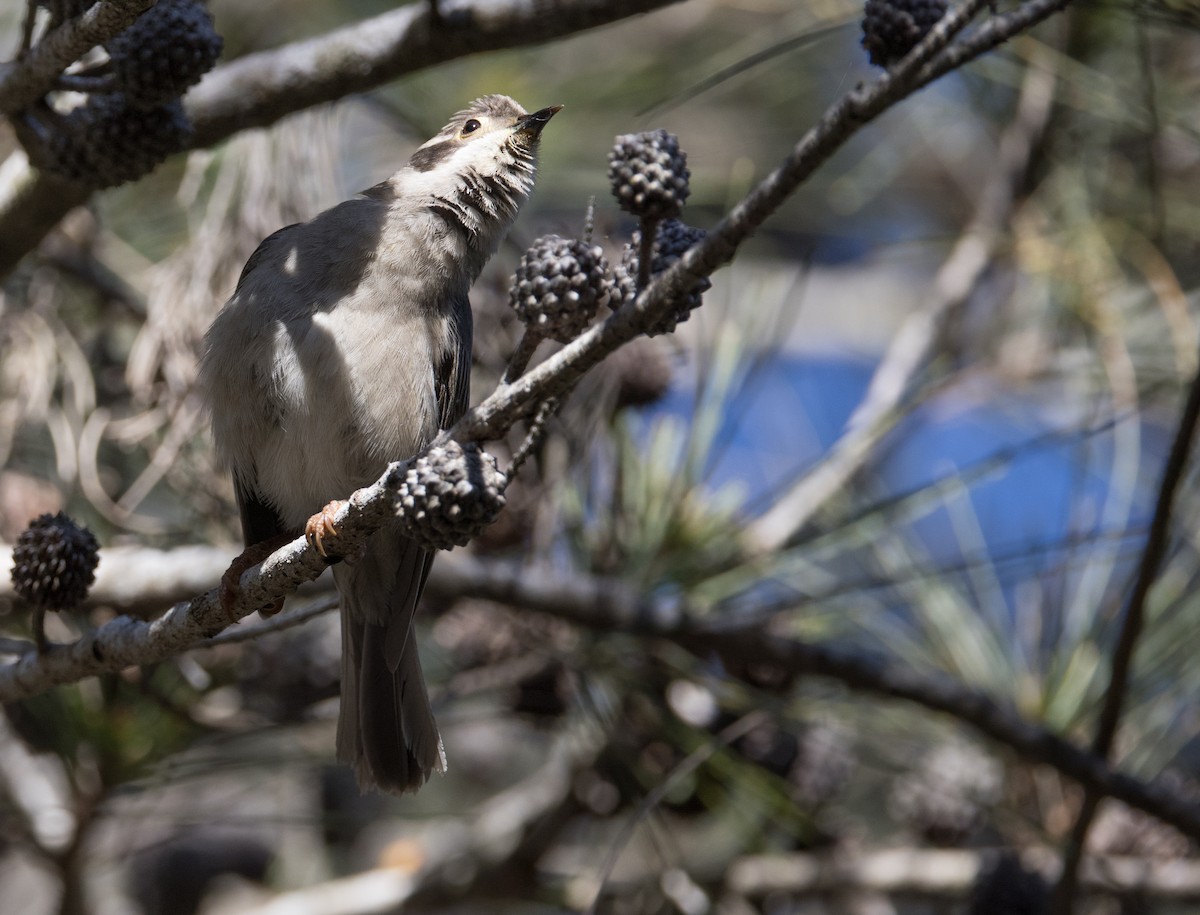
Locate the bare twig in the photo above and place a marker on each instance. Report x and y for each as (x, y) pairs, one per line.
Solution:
(297, 616)
(649, 231)
(533, 436)
(881, 676)
(526, 347)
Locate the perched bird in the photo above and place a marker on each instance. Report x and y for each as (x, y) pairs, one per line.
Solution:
(347, 345)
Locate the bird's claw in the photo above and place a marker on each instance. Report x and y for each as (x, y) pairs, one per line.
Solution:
(320, 526)
(231, 581)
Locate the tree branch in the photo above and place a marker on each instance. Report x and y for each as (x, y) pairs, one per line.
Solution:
(607, 606)
(126, 642)
(948, 874)
(845, 117)
(259, 89)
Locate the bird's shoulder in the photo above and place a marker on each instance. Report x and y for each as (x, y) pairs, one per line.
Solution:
(341, 239)
(267, 249)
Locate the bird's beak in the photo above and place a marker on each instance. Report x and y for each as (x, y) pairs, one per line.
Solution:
(533, 123)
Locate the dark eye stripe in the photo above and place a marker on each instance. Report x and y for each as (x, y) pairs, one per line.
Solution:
(427, 157)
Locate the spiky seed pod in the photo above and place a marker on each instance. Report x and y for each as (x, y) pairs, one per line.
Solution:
(672, 241)
(558, 287)
(1006, 888)
(892, 28)
(105, 142)
(450, 495)
(649, 174)
(54, 562)
(166, 51)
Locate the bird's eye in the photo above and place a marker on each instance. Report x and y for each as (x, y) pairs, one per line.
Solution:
(470, 126)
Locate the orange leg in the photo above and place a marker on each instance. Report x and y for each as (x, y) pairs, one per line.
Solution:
(321, 525)
(231, 580)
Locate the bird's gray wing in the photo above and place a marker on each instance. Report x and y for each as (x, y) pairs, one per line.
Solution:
(259, 520)
(264, 250)
(453, 378)
(452, 382)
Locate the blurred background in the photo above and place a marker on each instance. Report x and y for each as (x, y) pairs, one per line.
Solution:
(865, 439)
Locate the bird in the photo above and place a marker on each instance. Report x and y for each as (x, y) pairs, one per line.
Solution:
(346, 345)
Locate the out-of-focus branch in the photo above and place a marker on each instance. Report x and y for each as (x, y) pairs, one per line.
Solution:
(609, 606)
(948, 874)
(259, 89)
(511, 826)
(32, 203)
(24, 81)
(138, 580)
(916, 342)
(884, 677)
(1153, 554)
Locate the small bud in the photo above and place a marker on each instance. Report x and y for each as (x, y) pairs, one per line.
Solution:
(672, 241)
(892, 28)
(450, 495)
(54, 563)
(649, 174)
(558, 287)
(165, 52)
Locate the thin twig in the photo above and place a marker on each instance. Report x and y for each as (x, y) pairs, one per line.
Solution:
(85, 82)
(526, 347)
(297, 616)
(534, 436)
(649, 230)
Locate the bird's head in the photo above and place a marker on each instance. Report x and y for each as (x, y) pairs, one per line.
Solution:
(478, 170)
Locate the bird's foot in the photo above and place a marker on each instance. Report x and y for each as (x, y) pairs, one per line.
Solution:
(320, 526)
(231, 581)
